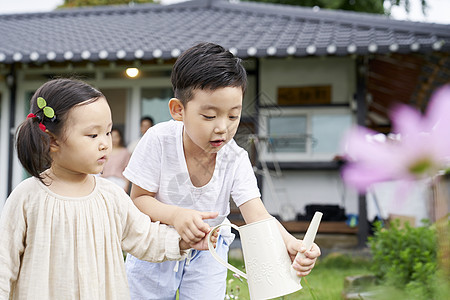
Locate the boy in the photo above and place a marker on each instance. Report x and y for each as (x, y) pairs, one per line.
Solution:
(187, 168)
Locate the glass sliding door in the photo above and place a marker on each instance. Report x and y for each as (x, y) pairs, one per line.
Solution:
(155, 103)
(117, 99)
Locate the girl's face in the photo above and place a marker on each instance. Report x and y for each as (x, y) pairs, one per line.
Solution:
(211, 118)
(86, 139)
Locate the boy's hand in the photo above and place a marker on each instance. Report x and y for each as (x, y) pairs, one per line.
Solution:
(189, 224)
(303, 265)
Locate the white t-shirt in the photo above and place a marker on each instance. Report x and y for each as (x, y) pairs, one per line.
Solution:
(158, 165)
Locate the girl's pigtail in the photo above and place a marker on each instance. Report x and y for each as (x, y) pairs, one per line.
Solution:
(33, 147)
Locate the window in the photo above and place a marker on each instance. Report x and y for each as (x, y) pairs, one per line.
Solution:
(292, 135)
(287, 134)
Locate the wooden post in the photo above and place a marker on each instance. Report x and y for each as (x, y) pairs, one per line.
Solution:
(11, 81)
(361, 114)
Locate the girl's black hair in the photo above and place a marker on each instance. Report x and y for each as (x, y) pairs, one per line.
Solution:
(32, 143)
(206, 66)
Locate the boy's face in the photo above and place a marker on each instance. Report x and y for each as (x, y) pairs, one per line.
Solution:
(211, 118)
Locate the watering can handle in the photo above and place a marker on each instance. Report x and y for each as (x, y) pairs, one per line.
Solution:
(310, 235)
(217, 257)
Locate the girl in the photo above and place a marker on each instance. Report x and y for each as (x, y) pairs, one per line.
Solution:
(62, 231)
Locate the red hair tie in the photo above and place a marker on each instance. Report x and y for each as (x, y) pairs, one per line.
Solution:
(41, 126)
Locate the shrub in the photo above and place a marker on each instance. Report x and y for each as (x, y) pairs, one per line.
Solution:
(405, 257)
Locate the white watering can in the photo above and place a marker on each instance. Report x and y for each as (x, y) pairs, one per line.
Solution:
(267, 262)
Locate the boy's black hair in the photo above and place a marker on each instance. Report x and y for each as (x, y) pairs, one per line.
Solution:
(33, 144)
(206, 66)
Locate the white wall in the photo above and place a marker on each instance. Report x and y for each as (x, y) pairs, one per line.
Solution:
(296, 189)
(300, 188)
(339, 72)
(399, 198)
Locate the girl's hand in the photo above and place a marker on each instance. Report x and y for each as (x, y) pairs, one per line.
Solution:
(189, 224)
(203, 244)
(304, 263)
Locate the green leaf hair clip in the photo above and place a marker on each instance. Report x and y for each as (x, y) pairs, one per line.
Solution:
(48, 111)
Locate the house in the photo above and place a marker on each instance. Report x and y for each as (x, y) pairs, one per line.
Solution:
(313, 73)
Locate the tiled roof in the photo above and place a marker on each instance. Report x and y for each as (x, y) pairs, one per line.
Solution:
(149, 31)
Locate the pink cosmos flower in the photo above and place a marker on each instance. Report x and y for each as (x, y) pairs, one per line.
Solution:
(420, 150)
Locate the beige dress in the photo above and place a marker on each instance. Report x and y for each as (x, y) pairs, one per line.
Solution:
(54, 247)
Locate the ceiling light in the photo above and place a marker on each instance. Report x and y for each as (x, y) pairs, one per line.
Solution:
(132, 72)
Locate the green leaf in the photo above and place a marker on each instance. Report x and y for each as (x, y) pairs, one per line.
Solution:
(49, 112)
(41, 102)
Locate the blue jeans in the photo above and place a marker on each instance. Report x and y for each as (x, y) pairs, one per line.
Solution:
(199, 278)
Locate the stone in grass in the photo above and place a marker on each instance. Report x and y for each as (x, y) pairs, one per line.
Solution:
(359, 287)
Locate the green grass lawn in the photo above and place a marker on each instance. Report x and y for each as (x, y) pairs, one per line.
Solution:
(326, 280)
